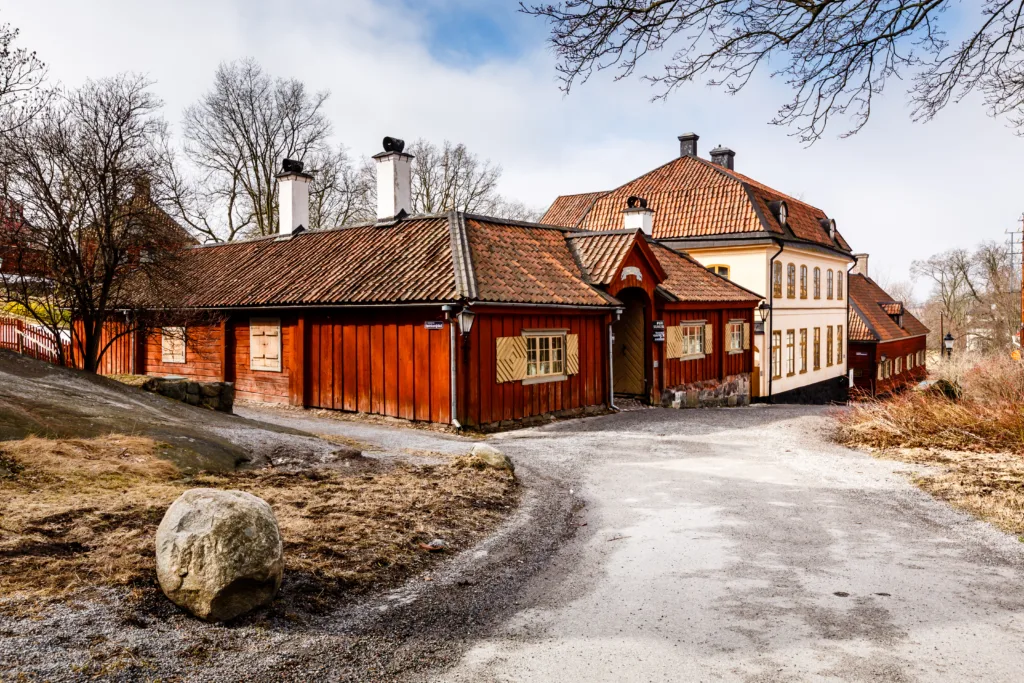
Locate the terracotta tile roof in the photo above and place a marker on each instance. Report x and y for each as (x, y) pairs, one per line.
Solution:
(601, 254)
(569, 209)
(872, 311)
(529, 264)
(691, 197)
(410, 261)
(688, 280)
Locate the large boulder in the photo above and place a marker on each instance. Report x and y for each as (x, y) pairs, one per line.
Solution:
(483, 455)
(219, 553)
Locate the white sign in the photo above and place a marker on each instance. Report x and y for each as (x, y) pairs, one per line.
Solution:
(634, 271)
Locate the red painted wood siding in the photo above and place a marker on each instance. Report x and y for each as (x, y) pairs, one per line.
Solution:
(718, 364)
(202, 355)
(864, 356)
(385, 363)
(483, 401)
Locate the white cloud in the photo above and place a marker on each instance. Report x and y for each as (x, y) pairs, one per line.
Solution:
(898, 190)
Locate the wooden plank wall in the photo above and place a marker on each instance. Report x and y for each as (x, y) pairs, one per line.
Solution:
(117, 359)
(483, 401)
(380, 362)
(202, 355)
(714, 366)
(259, 385)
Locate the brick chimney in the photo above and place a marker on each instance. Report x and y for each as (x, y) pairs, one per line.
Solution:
(636, 215)
(688, 144)
(394, 180)
(724, 157)
(292, 198)
(861, 267)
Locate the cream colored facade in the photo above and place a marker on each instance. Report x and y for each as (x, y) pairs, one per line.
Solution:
(749, 266)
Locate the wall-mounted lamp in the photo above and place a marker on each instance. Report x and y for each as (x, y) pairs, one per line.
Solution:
(618, 313)
(947, 344)
(764, 310)
(466, 318)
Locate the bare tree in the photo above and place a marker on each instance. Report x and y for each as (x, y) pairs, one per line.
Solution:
(89, 243)
(21, 77)
(339, 191)
(836, 55)
(236, 135)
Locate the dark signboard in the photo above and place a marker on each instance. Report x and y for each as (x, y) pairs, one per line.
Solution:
(434, 324)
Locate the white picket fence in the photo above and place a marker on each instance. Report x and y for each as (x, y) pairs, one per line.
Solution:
(30, 340)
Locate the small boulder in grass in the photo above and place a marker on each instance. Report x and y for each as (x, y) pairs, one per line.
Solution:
(483, 456)
(219, 553)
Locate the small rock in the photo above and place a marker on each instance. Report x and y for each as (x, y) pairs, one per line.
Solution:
(219, 553)
(490, 456)
(437, 545)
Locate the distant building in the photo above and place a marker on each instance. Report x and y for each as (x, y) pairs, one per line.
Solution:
(887, 343)
(787, 251)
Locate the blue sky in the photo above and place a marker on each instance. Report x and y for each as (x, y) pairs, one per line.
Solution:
(479, 72)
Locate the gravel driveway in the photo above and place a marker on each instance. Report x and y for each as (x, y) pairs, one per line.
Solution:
(741, 545)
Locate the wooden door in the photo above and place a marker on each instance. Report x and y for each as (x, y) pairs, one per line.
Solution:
(628, 351)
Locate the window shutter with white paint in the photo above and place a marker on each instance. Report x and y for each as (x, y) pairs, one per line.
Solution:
(674, 342)
(708, 340)
(572, 354)
(265, 344)
(511, 359)
(746, 336)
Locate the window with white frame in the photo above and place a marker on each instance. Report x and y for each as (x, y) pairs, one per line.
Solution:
(777, 280)
(790, 352)
(693, 340)
(172, 344)
(803, 282)
(828, 345)
(734, 338)
(265, 344)
(791, 281)
(839, 284)
(839, 344)
(817, 348)
(817, 283)
(828, 284)
(899, 364)
(803, 350)
(776, 355)
(545, 355)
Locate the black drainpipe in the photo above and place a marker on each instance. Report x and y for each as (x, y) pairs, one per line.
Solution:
(771, 316)
(846, 331)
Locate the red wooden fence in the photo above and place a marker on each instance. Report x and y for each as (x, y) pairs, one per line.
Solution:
(30, 340)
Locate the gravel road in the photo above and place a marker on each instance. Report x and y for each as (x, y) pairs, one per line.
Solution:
(655, 545)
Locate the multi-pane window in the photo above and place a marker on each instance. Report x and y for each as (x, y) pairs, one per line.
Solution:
(910, 361)
(803, 350)
(265, 344)
(734, 338)
(693, 340)
(803, 282)
(920, 357)
(839, 344)
(776, 355)
(545, 355)
(828, 346)
(791, 281)
(172, 344)
(817, 348)
(828, 284)
(790, 352)
(777, 280)
(899, 364)
(817, 283)
(839, 284)
(719, 270)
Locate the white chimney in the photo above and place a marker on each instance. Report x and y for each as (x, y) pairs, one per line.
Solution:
(394, 180)
(636, 215)
(861, 268)
(292, 198)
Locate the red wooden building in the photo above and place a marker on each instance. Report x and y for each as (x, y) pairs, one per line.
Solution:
(453, 318)
(887, 343)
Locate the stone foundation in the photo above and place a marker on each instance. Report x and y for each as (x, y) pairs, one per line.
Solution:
(734, 390)
(219, 396)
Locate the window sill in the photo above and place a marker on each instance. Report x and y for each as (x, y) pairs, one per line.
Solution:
(790, 374)
(264, 369)
(167, 361)
(735, 351)
(544, 379)
(694, 356)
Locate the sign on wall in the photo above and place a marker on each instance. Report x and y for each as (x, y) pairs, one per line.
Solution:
(434, 324)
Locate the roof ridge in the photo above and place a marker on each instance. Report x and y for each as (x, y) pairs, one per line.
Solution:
(864, 319)
(462, 257)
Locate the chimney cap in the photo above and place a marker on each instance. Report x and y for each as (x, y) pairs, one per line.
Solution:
(636, 202)
(292, 167)
(393, 144)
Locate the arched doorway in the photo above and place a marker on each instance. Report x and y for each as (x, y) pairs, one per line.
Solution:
(629, 352)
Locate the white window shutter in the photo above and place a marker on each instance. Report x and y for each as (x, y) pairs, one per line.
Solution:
(709, 343)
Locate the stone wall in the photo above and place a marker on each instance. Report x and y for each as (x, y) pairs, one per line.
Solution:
(218, 396)
(734, 390)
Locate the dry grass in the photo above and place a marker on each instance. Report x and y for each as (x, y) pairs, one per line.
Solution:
(988, 418)
(976, 444)
(83, 513)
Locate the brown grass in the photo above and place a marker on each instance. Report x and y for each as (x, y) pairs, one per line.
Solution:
(988, 418)
(976, 444)
(83, 513)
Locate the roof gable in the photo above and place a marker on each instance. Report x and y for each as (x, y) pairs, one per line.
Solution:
(603, 255)
(874, 314)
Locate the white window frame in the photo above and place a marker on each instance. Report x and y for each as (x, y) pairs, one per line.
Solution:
(790, 353)
(899, 364)
(555, 342)
(734, 336)
(776, 354)
(264, 362)
(803, 350)
(692, 335)
(172, 345)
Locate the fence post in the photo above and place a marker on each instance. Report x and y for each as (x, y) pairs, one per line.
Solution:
(18, 332)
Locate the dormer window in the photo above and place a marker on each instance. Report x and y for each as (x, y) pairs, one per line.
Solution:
(780, 211)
